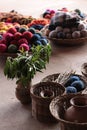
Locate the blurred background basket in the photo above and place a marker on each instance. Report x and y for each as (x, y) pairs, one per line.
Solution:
(67, 42)
(40, 105)
(57, 108)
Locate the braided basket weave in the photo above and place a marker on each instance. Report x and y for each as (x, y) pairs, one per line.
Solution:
(40, 105)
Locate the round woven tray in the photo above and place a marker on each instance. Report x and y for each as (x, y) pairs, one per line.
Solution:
(57, 108)
(54, 78)
(69, 42)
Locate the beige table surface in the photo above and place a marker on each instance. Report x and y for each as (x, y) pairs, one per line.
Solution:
(13, 115)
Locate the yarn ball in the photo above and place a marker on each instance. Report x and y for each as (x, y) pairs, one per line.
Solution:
(22, 40)
(21, 29)
(71, 89)
(37, 42)
(12, 48)
(53, 34)
(35, 37)
(52, 11)
(81, 26)
(17, 35)
(79, 85)
(59, 29)
(60, 35)
(83, 33)
(12, 30)
(71, 80)
(76, 34)
(3, 48)
(8, 37)
(3, 41)
(27, 35)
(37, 26)
(32, 30)
(43, 41)
(24, 46)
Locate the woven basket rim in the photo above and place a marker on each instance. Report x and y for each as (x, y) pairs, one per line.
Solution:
(45, 83)
(76, 41)
(53, 104)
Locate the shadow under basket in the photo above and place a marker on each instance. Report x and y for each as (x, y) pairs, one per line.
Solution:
(41, 95)
(58, 106)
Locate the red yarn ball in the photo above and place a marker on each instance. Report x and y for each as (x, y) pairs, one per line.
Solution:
(8, 37)
(12, 30)
(22, 40)
(28, 35)
(3, 41)
(14, 42)
(24, 46)
(17, 36)
(3, 48)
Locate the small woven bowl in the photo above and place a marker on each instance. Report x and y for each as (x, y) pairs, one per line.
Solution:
(40, 104)
(68, 42)
(57, 108)
(54, 77)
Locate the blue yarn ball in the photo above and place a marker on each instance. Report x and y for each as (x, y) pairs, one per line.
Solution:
(71, 89)
(79, 85)
(37, 26)
(38, 42)
(43, 41)
(35, 37)
(61, 35)
(32, 30)
(21, 30)
(71, 80)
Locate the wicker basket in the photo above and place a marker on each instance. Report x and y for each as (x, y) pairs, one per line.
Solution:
(57, 108)
(40, 105)
(54, 78)
(68, 42)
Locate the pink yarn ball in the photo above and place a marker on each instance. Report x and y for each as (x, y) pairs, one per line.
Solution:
(24, 46)
(3, 48)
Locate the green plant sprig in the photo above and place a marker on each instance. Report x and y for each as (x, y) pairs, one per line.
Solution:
(25, 65)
